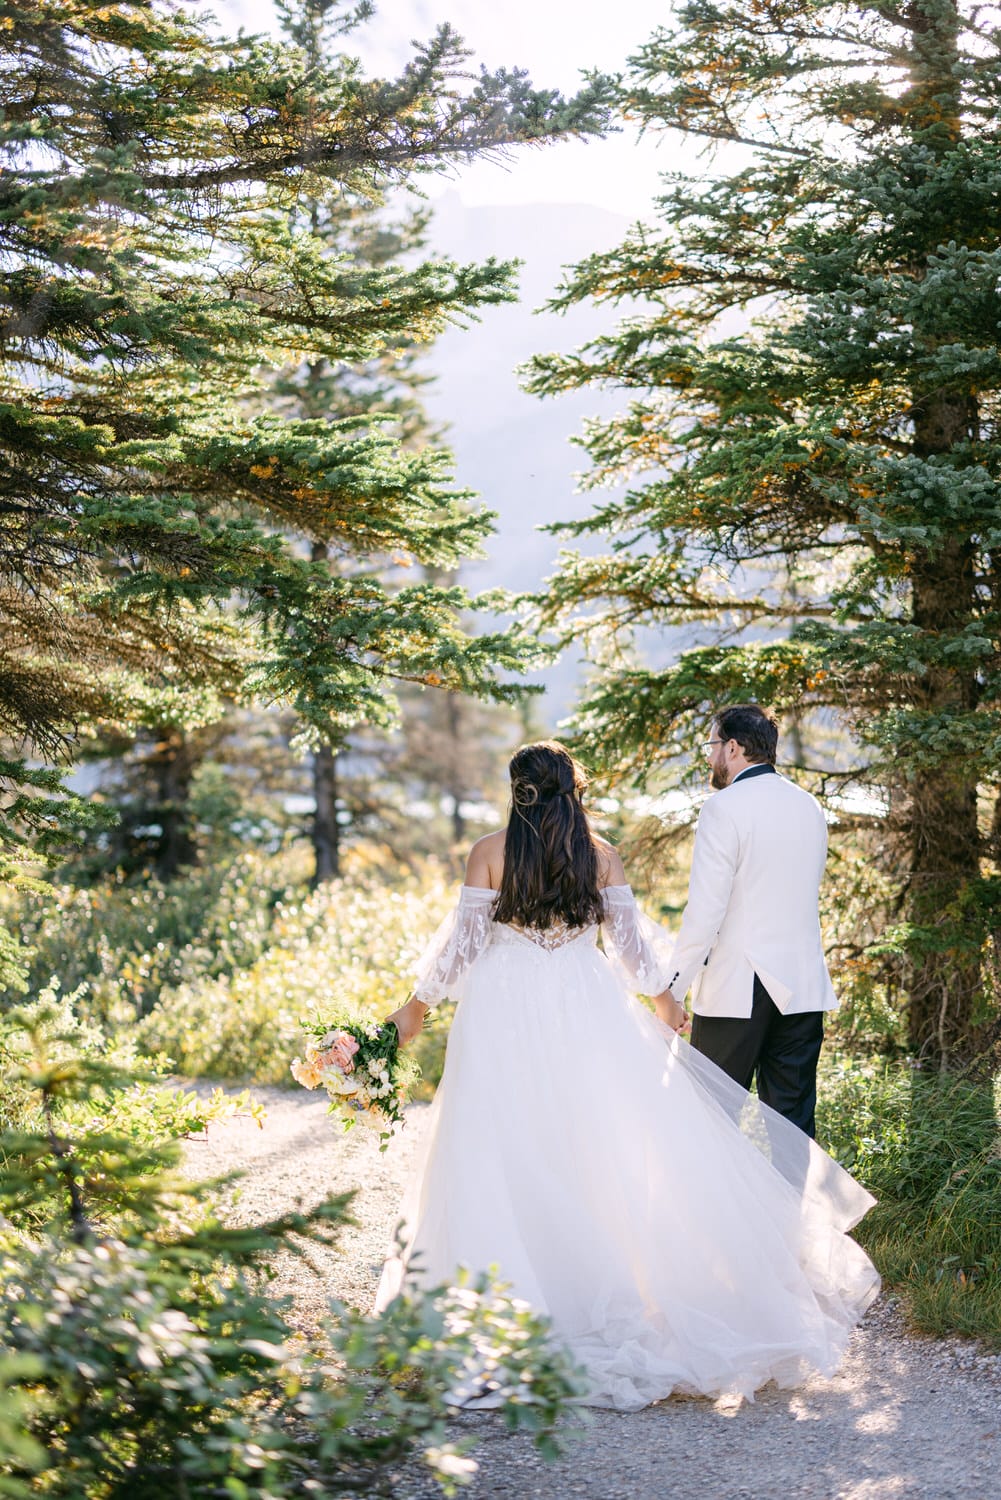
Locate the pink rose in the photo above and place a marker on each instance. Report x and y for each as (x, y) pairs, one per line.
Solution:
(344, 1049)
(336, 1049)
(337, 1056)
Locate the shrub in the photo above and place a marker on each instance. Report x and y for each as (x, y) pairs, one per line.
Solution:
(345, 948)
(148, 1375)
(215, 971)
(118, 944)
(141, 1355)
(929, 1147)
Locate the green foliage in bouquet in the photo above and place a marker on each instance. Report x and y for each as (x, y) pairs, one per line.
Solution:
(364, 1071)
(142, 1357)
(929, 1148)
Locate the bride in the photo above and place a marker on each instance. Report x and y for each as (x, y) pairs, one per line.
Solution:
(680, 1236)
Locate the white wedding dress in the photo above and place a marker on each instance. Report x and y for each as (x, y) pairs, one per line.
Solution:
(681, 1236)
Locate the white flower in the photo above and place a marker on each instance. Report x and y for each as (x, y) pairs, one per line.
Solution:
(454, 1465)
(336, 1082)
(370, 1117)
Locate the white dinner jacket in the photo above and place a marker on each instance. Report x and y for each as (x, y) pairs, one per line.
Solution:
(760, 849)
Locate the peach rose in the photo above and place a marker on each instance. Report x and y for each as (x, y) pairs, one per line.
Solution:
(306, 1073)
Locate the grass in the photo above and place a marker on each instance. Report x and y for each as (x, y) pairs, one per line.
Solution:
(929, 1147)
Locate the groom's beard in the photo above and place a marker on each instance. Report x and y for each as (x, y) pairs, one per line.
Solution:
(719, 778)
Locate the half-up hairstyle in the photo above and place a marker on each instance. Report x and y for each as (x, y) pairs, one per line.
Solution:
(550, 858)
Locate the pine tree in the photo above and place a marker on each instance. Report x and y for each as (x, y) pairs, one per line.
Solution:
(848, 441)
(355, 228)
(157, 521)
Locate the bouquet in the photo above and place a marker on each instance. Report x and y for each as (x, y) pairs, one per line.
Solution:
(361, 1067)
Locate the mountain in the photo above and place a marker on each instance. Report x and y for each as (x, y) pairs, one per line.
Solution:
(511, 448)
(515, 449)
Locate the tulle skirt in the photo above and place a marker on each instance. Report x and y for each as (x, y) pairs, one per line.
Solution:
(681, 1236)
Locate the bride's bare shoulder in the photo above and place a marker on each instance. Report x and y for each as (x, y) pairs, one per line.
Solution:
(610, 868)
(489, 843)
(486, 860)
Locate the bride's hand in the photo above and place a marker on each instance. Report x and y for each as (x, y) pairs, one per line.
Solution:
(408, 1020)
(671, 1012)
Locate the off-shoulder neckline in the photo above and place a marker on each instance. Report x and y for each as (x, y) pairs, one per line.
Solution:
(493, 891)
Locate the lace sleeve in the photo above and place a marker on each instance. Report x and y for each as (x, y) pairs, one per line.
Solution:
(459, 941)
(640, 950)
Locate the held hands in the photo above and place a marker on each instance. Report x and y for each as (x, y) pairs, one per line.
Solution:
(672, 1012)
(408, 1020)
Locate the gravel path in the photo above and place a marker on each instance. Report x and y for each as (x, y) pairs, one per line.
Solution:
(904, 1417)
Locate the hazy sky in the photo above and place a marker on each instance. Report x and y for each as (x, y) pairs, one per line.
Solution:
(554, 40)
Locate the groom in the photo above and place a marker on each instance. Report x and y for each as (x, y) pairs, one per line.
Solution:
(750, 945)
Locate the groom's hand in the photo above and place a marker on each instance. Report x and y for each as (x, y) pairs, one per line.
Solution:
(671, 1012)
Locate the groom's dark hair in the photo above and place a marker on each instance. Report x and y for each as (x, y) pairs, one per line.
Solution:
(752, 726)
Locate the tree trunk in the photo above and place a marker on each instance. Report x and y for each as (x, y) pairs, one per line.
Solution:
(326, 831)
(457, 787)
(945, 973)
(173, 763)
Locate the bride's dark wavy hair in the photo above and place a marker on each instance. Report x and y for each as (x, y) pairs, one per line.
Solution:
(550, 858)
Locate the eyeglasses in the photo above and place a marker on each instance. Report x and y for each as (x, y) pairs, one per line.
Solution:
(707, 748)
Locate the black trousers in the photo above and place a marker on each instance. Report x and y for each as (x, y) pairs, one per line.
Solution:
(779, 1052)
